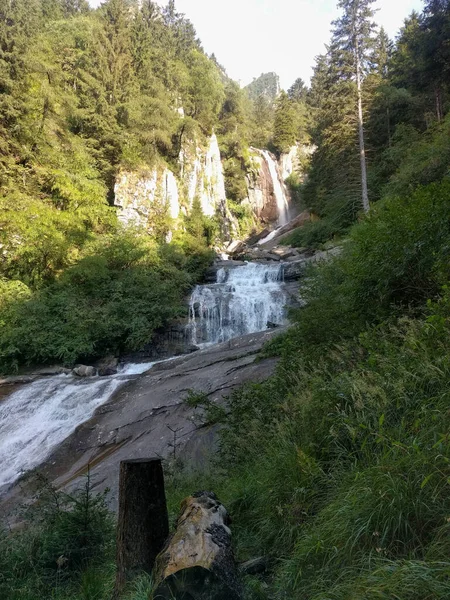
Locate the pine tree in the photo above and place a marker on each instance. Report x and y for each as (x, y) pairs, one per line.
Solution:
(435, 51)
(298, 90)
(284, 134)
(354, 41)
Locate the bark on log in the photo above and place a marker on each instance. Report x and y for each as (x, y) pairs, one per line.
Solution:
(197, 562)
(143, 523)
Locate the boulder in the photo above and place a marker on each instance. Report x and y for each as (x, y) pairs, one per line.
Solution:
(254, 239)
(284, 252)
(107, 366)
(84, 371)
(236, 247)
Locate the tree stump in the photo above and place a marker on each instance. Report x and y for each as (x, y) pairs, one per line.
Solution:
(143, 523)
(197, 562)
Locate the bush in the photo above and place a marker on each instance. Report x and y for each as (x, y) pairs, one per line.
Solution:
(311, 235)
(111, 301)
(64, 548)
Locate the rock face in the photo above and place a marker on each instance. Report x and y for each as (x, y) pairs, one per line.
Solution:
(289, 162)
(268, 196)
(143, 196)
(202, 176)
(135, 422)
(140, 196)
(293, 161)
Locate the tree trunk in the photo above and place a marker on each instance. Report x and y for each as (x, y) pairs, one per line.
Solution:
(438, 96)
(143, 524)
(197, 563)
(362, 150)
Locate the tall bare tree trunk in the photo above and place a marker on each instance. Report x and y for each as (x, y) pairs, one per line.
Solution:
(362, 149)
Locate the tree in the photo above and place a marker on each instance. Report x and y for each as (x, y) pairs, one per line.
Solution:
(298, 90)
(354, 40)
(284, 134)
(435, 51)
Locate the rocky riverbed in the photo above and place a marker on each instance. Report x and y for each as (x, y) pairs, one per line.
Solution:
(139, 420)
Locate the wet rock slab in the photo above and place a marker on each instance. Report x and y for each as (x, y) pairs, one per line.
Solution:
(139, 419)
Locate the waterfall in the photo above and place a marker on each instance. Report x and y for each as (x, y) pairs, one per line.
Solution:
(171, 194)
(244, 300)
(279, 189)
(41, 415)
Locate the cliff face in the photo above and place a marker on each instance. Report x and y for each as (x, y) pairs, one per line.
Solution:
(268, 196)
(141, 197)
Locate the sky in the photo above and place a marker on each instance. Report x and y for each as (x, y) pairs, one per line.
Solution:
(250, 37)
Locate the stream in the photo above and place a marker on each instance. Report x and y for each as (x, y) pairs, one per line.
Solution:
(39, 416)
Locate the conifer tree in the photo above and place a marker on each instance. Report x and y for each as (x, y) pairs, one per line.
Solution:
(354, 41)
(284, 135)
(435, 51)
(298, 90)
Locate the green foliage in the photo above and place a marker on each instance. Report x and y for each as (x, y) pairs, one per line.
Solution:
(64, 548)
(244, 216)
(84, 94)
(338, 466)
(311, 235)
(284, 133)
(404, 98)
(110, 301)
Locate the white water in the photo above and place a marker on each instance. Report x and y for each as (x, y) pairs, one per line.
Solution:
(42, 414)
(279, 189)
(244, 300)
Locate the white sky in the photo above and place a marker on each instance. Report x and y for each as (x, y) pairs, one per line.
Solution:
(250, 37)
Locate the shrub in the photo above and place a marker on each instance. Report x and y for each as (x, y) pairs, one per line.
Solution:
(110, 301)
(65, 546)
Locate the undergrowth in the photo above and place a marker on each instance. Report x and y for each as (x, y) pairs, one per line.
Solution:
(337, 468)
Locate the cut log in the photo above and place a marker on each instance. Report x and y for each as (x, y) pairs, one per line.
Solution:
(143, 523)
(197, 562)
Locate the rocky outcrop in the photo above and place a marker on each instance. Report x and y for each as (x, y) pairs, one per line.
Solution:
(142, 196)
(289, 162)
(295, 269)
(268, 197)
(139, 420)
(261, 197)
(294, 161)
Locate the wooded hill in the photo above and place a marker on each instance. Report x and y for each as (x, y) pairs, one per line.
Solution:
(336, 469)
(84, 94)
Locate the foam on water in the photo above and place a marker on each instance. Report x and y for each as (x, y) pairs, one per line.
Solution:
(244, 300)
(40, 415)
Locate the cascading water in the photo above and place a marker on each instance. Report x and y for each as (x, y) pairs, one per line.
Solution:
(39, 416)
(244, 300)
(42, 414)
(279, 189)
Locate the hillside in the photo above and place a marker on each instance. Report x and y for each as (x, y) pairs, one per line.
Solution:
(329, 445)
(125, 158)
